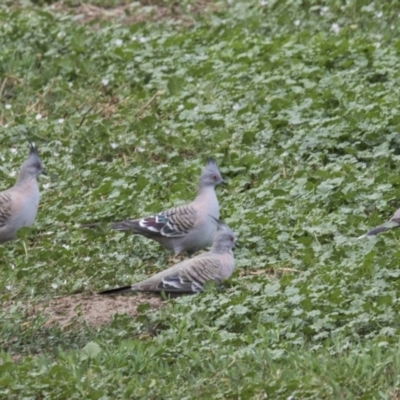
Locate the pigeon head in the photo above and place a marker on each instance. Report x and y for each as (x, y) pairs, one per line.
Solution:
(210, 176)
(32, 166)
(224, 239)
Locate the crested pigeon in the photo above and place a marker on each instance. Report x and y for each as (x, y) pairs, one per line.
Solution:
(19, 204)
(186, 228)
(189, 276)
(393, 222)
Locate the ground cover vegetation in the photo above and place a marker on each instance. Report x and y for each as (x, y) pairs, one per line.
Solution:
(298, 103)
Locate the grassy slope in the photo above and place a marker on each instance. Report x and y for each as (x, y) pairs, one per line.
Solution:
(305, 124)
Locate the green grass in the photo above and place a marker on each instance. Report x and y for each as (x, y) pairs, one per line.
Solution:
(298, 102)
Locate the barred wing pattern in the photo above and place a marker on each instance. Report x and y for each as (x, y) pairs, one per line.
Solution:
(176, 222)
(5, 208)
(188, 279)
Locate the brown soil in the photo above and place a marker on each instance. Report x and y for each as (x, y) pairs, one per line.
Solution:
(145, 11)
(95, 310)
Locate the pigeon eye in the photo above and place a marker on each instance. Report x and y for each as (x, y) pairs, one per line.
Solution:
(37, 165)
(215, 177)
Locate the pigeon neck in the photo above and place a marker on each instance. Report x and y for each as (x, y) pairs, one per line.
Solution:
(204, 189)
(221, 247)
(24, 177)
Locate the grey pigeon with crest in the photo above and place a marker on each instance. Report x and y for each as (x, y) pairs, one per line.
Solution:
(187, 228)
(19, 204)
(189, 276)
(393, 222)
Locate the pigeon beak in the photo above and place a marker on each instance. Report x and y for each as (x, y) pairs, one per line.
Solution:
(45, 173)
(224, 182)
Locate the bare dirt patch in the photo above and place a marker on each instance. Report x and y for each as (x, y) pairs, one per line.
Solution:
(95, 310)
(270, 272)
(140, 11)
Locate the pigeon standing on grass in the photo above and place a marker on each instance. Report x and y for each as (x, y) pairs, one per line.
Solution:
(393, 222)
(19, 204)
(187, 228)
(189, 276)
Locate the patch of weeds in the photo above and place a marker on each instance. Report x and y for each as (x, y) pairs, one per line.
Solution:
(297, 101)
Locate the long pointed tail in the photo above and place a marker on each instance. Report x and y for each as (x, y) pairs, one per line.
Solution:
(118, 226)
(126, 226)
(380, 229)
(122, 289)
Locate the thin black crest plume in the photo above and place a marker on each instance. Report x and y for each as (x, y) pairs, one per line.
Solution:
(210, 161)
(32, 148)
(218, 222)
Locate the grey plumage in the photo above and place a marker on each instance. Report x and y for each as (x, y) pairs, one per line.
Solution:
(19, 204)
(189, 276)
(393, 222)
(186, 228)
